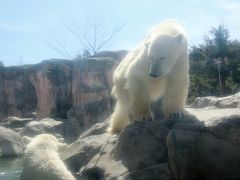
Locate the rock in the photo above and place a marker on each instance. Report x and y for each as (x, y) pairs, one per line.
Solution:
(192, 147)
(52, 81)
(96, 129)
(159, 171)
(205, 151)
(232, 101)
(139, 150)
(59, 88)
(16, 122)
(117, 55)
(91, 91)
(142, 145)
(201, 102)
(103, 164)
(209, 113)
(17, 93)
(10, 143)
(80, 152)
(46, 125)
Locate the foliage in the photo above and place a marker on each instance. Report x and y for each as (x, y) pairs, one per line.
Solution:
(217, 50)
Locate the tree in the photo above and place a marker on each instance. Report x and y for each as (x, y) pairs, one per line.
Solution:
(218, 42)
(206, 74)
(94, 33)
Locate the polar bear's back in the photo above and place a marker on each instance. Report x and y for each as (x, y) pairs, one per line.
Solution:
(42, 160)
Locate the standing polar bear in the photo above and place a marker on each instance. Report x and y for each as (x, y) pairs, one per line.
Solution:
(156, 68)
(42, 160)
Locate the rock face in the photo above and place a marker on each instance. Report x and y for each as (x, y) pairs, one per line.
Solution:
(17, 93)
(91, 88)
(52, 81)
(10, 143)
(77, 90)
(186, 149)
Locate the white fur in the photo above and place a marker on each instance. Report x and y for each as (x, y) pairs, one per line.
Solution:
(163, 53)
(42, 160)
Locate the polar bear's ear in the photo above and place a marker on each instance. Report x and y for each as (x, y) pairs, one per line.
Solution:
(62, 146)
(26, 140)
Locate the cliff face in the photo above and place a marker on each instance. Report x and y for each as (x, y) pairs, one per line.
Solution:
(17, 93)
(77, 89)
(53, 81)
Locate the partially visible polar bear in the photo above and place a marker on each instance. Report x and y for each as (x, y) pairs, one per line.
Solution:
(42, 160)
(156, 68)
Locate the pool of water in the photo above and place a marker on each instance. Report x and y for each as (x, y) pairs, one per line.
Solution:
(10, 168)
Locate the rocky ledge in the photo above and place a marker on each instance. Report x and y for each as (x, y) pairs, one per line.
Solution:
(194, 147)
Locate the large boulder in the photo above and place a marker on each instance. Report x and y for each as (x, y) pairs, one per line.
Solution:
(209, 150)
(139, 151)
(46, 125)
(180, 148)
(10, 143)
(16, 122)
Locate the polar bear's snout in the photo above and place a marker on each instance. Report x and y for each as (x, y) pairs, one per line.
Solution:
(155, 70)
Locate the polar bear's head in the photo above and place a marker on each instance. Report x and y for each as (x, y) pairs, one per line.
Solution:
(163, 52)
(44, 141)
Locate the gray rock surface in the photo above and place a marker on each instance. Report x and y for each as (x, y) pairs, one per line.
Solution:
(46, 125)
(17, 93)
(131, 154)
(232, 101)
(10, 143)
(16, 122)
(205, 151)
(187, 148)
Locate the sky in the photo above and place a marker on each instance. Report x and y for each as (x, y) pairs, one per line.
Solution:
(32, 30)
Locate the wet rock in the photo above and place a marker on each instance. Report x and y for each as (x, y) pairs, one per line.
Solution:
(10, 143)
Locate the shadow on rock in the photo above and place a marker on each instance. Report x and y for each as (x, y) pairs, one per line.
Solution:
(179, 148)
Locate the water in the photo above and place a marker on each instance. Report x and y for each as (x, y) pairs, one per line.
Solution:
(10, 168)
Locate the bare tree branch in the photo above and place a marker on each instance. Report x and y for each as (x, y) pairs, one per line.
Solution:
(94, 33)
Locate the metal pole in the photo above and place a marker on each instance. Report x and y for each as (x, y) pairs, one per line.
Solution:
(219, 78)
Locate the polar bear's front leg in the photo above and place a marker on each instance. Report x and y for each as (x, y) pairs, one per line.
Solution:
(176, 92)
(119, 119)
(175, 98)
(139, 102)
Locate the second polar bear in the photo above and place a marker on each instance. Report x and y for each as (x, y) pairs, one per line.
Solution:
(156, 68)
(42, 160)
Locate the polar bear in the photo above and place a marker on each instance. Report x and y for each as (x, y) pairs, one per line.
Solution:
(42, 161)
(156, 68)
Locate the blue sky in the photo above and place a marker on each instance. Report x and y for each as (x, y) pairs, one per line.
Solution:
(27, 25)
